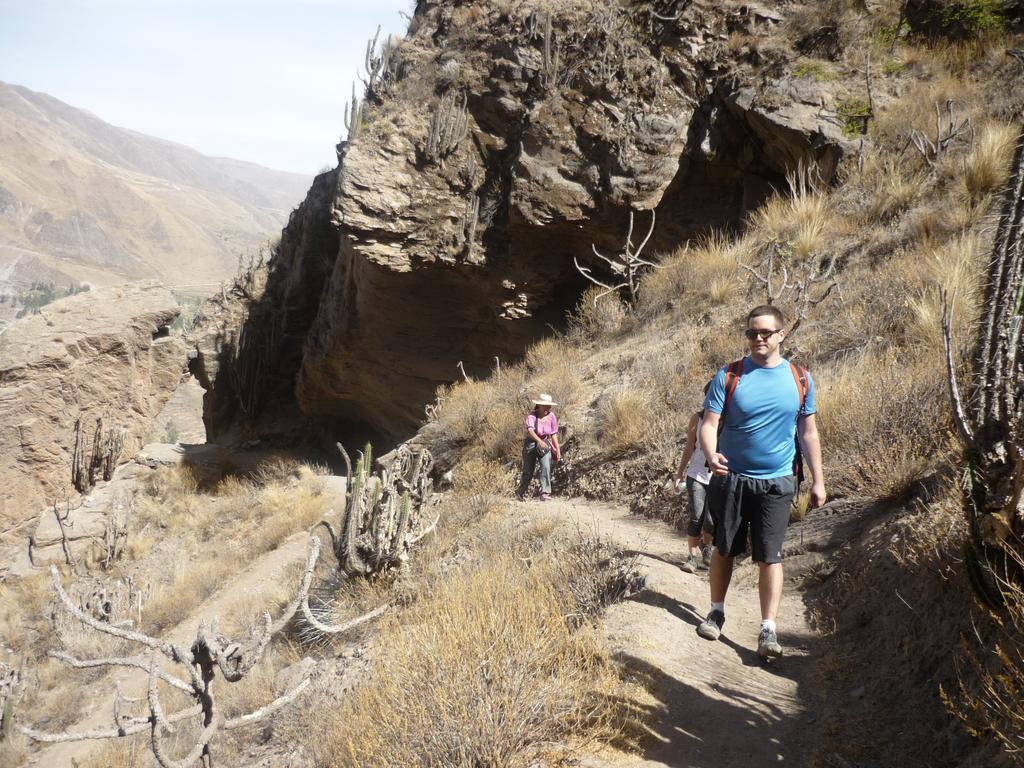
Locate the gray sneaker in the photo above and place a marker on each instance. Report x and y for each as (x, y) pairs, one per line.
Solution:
(711, 628)
(768, 645)
(690, 566)
(705, 557)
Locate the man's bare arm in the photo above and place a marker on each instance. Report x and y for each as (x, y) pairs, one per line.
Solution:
(709, 443)
(810, 444)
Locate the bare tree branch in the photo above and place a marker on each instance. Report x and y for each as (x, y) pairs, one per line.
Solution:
(963, 427)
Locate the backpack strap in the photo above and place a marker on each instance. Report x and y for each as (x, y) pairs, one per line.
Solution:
(733, 371)
(800, 377)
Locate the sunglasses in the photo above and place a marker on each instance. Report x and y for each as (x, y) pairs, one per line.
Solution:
(764, 334)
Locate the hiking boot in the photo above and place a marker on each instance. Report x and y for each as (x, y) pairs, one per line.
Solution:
(705, 557)
(690, 566)
(768, 644)
(711, 628)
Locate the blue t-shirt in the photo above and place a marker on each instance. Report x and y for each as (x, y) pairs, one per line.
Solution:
(760, 423)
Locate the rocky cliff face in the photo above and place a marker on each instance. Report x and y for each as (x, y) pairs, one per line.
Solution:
(105, 353)
(497, 142)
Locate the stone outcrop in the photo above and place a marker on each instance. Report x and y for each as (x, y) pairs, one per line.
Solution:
(104, 353)
(425, 248)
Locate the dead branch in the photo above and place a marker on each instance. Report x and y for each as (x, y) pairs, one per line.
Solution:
(210, 652)
(627, 265)
(963, 427)
(63, 523)
(947, 129)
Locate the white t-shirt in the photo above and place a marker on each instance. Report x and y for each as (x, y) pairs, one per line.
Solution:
(698, 466)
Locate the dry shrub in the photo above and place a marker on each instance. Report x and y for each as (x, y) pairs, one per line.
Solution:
(952, 267)
(986, 167)
(480, 477)
(892, 189)
(595, 574)
(129, 752)
(279, 469)
(484, 416)
(881, 417)
(484, 671)
(916, 109)
(624, 418)
(597, 318)
(696, 277)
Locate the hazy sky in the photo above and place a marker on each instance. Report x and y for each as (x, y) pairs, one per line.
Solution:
(250, 79)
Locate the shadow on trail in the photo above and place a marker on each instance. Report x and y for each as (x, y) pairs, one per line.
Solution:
(789, 668)
(685, 728)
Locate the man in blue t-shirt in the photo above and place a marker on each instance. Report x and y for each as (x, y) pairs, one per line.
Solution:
(751, 460)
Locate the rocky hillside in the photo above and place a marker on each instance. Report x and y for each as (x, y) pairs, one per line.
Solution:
(845, 161)
(497, 143)
(105, 354)
(84, 200)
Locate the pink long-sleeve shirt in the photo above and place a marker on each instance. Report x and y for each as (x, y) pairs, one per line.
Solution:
(545, 426)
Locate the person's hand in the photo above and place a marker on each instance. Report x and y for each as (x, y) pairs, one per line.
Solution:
(718, 464)
(818, 496)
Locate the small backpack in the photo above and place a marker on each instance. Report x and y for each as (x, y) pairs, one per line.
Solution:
(734, 370)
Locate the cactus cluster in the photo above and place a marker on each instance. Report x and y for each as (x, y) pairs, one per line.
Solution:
(383, 509)
(449, 125)
(10, 688)
(99, 461)
(990, 419)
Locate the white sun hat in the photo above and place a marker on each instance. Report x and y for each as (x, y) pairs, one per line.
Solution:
(545, 400)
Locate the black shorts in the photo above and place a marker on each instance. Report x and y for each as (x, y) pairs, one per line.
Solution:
(737, 502)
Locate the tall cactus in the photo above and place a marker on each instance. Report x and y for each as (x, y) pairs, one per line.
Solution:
(991, 423)
(381, 510)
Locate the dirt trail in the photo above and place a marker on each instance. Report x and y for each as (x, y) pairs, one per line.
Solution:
(703, 703)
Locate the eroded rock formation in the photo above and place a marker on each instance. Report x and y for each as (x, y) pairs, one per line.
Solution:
(445, 236)
(104, 353)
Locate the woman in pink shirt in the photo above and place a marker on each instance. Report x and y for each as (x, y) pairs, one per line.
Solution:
(540, 444)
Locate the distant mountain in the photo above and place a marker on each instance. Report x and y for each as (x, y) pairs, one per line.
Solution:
(85, 200)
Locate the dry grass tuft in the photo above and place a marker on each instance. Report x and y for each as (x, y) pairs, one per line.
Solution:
(624, 418)
(485, 671)
(986, 167)
(882, 416)
(892, 189)
(595, 318)
(953, 268)
(129, 752)
(800, 218)
(480, 477)
(696, 277)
